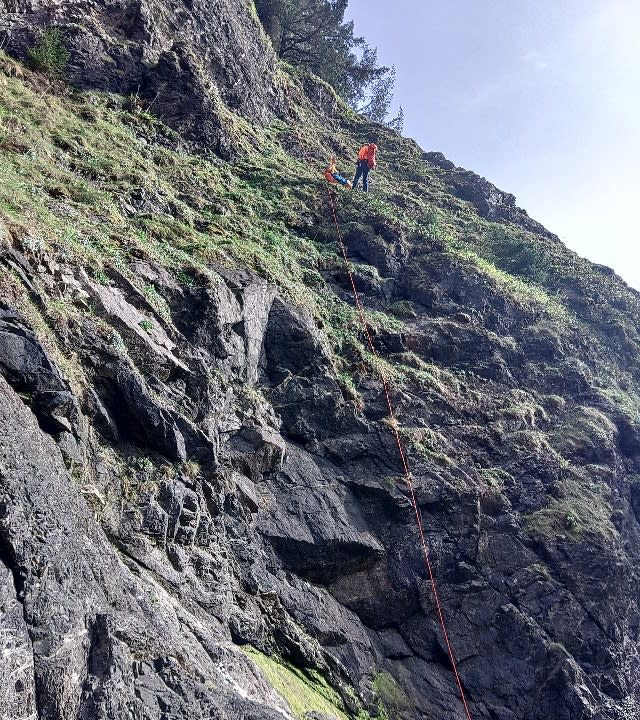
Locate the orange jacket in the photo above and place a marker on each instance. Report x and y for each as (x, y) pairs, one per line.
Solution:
(328, 175)
(368, 153)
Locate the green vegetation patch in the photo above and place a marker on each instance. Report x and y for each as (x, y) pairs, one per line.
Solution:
(50, 56)
(392, 699)
(95, 180)
(583, 510)
(304, 690)
(403, 309)
(428, 443)
(587, 433)
(530, 296)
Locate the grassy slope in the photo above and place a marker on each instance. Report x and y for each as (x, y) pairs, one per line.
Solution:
(307, 691)
(304, 691)
(91, 180)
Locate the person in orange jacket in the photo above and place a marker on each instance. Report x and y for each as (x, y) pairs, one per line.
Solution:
(367, 160)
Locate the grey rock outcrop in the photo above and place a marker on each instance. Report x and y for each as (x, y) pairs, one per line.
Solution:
(293, 532)
(489, 201)
(201, 501)
(83, 635)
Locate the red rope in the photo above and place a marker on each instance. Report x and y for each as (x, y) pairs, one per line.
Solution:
(405, 462)
(401, 450)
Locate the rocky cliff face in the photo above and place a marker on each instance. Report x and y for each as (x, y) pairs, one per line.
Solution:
(202, 512)
(489, 201)
(197, 62)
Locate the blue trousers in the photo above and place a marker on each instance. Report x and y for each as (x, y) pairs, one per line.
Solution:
(362, 171)
(338, 178)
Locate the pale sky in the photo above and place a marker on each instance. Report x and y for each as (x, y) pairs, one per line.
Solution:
(542, 97)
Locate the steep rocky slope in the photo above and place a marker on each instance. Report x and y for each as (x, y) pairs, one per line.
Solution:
(202, 512)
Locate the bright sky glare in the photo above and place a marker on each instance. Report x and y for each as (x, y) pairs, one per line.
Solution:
(542, 97)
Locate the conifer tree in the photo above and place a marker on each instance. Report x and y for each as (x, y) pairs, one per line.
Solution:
(397, 123)
(313, 34)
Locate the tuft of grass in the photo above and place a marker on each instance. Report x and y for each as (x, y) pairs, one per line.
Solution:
(495, 478)
(527, 294)
(157, 302)
(191, 469)
(100, 276)
(403, 309)
(518, 255)
(583, 510)
(428, 443)
(349, 387)
(586, 432)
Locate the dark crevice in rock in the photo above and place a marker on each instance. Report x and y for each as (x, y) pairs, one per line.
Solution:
(8, 556)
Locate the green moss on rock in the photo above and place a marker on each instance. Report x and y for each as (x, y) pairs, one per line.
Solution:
(304, 691)
(392, 699)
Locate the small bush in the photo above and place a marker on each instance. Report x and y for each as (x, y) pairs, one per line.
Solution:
(100, 275)
(403, 309)
(117, 342)
(518, 255)
(50, 56)
(572, 521)
(185, 278)
(143, 466)
(157, 302)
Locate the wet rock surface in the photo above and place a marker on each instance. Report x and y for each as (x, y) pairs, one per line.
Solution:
(259, 506)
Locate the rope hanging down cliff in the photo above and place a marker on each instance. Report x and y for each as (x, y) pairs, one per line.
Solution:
(394, 425)
(403, 458)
